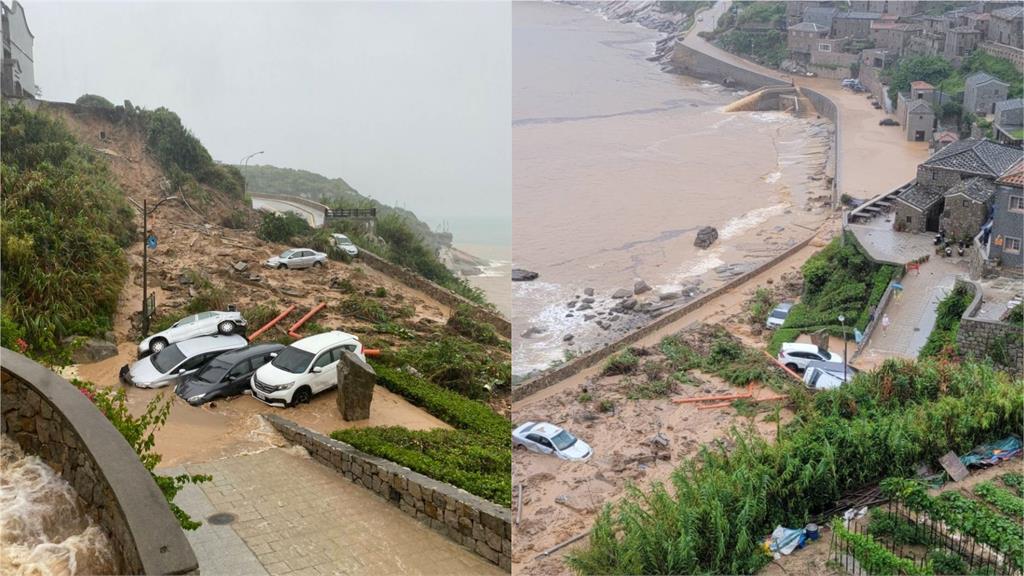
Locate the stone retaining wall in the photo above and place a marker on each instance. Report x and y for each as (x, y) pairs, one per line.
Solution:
(53, 420)
(691, 62)
(482, 526)
(435, 291)
(592, 358)
(978, 337)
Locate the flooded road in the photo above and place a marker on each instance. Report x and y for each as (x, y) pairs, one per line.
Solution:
(616, 165)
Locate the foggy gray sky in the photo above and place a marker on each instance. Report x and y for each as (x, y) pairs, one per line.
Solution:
(408, 102)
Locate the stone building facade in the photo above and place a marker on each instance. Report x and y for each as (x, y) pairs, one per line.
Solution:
(17, 77)
(853, 24)
(966, 208)
(1005, 241)
(1005, 27)
(802, 39)
(982, 91)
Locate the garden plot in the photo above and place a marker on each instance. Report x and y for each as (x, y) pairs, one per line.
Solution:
(618, 414)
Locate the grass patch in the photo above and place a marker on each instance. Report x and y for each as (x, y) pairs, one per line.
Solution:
(947, 323)
(476, 456)
(463, 322)
(456, 364)
(624, 362)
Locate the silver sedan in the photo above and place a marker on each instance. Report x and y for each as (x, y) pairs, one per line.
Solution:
(297, 258)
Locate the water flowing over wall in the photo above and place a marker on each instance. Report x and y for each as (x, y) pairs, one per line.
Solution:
(50, 418)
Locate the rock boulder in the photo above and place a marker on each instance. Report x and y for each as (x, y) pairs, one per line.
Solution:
(356, 380)
(706, 237)
(90, 349)
(520, 275)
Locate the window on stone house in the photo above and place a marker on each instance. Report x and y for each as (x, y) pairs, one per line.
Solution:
(910, 219)
(965, 203)
(1017, 203)
(1012, 245)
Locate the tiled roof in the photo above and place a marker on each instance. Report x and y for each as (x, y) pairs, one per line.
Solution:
(1009, 105)
(820, 16)
(977, 189)
(859, 15)
(974, 156)
(921, 85)
(1014, 176)
(1008, 13)
(945, 136)
(919, 106)
(981, 78)
(808, 27)
(919, 198)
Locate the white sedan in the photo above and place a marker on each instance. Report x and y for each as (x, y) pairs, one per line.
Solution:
(194, 326)
(297, 258)
(547, 438)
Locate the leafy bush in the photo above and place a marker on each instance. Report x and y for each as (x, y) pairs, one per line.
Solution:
(1001, 499)
(455, 364)
(1015, 481)
(282, 228)
(768, 47)
(65, 224)
(140, 432)
(897, 529)
(931, 69)
(873, 557)
(183, 156)
(94, 101)
(208, 296)
(722, 503)
(475, 457)
(947, 322)
(463, 321)
(624, 362)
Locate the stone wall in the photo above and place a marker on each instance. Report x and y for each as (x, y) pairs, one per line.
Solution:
(435, 291)
(979, 338)
(52, 419)
(594, 357)
(482, 526)
(686, 60)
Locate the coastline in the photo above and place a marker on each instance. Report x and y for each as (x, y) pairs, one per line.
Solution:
(485, 266)
(778, 216)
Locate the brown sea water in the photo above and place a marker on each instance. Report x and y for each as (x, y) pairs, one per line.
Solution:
(616, 165)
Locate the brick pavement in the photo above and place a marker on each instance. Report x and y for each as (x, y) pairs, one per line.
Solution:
(297, 517)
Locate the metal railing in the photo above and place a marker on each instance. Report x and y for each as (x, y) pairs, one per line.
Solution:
(350, 213)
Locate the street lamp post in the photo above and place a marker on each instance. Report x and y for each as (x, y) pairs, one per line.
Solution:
(145, 258)
(245, 166)
(842, 320)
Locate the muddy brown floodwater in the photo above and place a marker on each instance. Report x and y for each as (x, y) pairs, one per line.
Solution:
(616, 165)
(230, 427)
(43, 529)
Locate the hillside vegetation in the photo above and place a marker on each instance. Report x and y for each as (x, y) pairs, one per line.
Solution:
(65, 226)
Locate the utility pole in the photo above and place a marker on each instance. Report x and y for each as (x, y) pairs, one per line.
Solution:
(245, 166)
(145, 258)
(842, 320)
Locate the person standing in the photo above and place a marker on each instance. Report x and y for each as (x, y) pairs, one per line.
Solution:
(885, 322)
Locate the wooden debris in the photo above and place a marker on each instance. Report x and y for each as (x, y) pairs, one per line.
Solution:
(709, 398)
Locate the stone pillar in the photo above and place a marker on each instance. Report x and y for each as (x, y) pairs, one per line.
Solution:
(356, 380)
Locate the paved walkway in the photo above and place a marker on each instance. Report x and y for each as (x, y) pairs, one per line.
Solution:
(314, 217)
(294, 516)
(912, 314)
(886, 245)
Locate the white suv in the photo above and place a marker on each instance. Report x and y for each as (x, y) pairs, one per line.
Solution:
(796, 355)
(305, 368)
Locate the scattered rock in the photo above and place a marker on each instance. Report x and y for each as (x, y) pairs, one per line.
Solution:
(588, 300)
(640, 287)
(622, 293)
(185, 279)
(110, 336)
(628, 304)
(604, 324)
(705, 237)
(584, 306)
(670, 295)
(292, 292)
(589, 317)
(90, 350)
(567, 338)
(356, 380)
(533, 331)
(588, 291)
(240, 266)
(520, 275)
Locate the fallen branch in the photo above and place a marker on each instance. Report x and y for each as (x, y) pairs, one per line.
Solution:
(709, 398)
(558, 547)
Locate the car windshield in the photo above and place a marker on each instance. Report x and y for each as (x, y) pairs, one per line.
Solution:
(293, 360)
(563, 440)
(780, 314)
(823, 353)
(167, 359)
(213, 372)
(287, 253)
(344, 241)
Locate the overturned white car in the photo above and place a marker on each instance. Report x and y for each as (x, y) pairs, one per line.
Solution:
(194, 326)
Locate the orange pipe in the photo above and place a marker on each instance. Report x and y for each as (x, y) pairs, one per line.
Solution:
(709, 398)
(270, 324)
(371, 352)
(709, 406)
(783, 366)
(310, 314)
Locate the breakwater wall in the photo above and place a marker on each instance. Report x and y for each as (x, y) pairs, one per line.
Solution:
(691, 62)
(52, 419)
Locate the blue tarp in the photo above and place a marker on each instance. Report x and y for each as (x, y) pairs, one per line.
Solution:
(989, 454)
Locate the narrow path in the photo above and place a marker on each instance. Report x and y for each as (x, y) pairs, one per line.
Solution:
(290, 515)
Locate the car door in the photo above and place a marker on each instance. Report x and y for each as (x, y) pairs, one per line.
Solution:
(238, 378)
(195, 363)
(182, 329)
(299, 259)
(540, 443)
(206, 323)
(328, 376)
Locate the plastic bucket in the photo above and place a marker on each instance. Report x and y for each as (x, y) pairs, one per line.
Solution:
(811, 530)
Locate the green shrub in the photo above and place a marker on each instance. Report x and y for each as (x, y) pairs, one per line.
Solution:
(94, 101)
(1015, 481)
(605, 406)
(65, 225)
(365, 309)
(463, 321)
(897, 529)
(873, 557)
(947, 322)
(456, 364)
(183, 157)
(1016, 315)
(1001, 499)
(208, 296)
(282, 228)
(624, 362)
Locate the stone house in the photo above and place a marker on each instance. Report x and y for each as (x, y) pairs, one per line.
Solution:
(1002, 242)
(966, 208)
(1005, 26)
(920, 207)
(915, 112)
(854, 24)
(982, 91)
(925, 44)
(898, 8)
(802, 39)
(796, 11)
(17, 76)
(1009, 121)
(894, 36)
(960, 41)
(830, 59)
(822, 16)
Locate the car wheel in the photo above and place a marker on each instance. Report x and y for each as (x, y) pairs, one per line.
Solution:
(301, 396)
(318, 264)
(157, 344)
(282, 266)
(226, 327)
(793, 367)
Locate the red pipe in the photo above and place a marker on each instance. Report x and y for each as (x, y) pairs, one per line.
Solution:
(371, 352)
(268, 325)
(310, 314)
